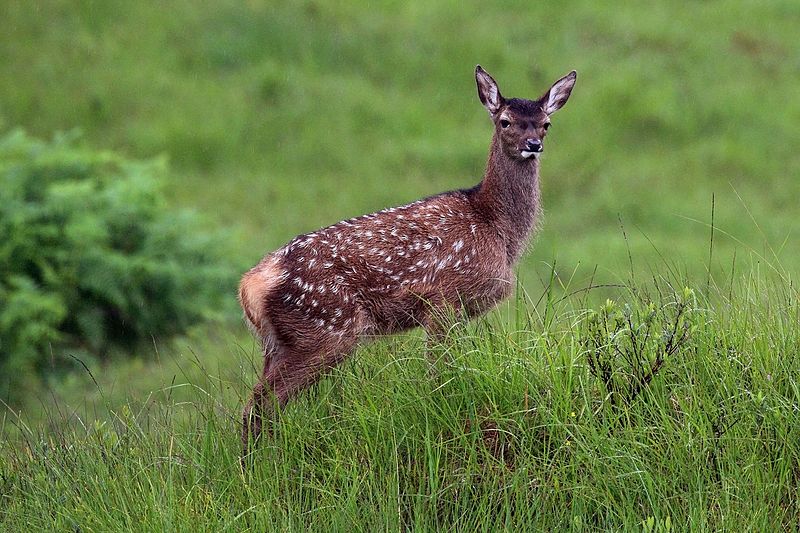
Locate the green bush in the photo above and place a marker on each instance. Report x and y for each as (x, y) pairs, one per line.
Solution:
(91, 257)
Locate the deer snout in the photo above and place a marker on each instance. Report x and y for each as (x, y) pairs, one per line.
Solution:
(533, 145)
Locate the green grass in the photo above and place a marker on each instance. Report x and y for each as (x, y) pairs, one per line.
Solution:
(510, 428)
(279, 118)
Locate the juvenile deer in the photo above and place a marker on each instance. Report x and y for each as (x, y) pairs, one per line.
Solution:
(311, 301)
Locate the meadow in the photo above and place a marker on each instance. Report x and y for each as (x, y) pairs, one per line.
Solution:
(674, 165)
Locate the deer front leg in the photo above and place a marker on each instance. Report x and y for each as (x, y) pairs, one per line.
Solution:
(438, 323)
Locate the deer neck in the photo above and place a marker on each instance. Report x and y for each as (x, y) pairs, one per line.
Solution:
(509, 197)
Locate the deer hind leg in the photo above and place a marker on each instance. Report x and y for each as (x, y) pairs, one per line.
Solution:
(287, 373)
(260, 405)
(254, 290)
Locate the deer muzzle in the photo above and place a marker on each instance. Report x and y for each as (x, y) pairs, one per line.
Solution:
(532, 146)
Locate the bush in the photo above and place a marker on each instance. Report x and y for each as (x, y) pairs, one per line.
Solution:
(91, 257)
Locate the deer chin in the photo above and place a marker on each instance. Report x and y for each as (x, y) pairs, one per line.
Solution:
(527, 155)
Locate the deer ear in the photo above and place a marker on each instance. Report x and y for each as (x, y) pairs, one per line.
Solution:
(559, 93)
(488, 91)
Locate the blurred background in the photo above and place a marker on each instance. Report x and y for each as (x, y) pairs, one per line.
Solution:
(270, 119)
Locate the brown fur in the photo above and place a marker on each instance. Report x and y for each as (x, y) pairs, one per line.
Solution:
(313, 299)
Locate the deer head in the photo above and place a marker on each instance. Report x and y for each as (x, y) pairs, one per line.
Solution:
(521, 125)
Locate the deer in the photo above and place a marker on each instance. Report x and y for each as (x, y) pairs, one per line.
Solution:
(312, 301)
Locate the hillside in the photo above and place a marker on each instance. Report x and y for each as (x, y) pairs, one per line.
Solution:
(283, 118)
(279, 118)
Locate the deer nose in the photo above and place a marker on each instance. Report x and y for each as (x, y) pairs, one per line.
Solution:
(533, 145)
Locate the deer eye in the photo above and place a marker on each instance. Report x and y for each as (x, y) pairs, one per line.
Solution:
(504, 123)
(546, 125)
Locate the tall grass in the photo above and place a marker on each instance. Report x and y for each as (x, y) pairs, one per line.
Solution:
(545, 422)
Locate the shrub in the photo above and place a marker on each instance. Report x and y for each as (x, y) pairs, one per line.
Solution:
(92, 258)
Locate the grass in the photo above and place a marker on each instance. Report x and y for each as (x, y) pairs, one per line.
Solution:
(547, 422)
(279, 118)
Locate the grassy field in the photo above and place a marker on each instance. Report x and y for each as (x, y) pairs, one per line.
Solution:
(283, 117)
(279, 118)
(657, 412)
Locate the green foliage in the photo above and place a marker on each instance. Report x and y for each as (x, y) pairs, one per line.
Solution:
(92, 258)
(627, 346)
